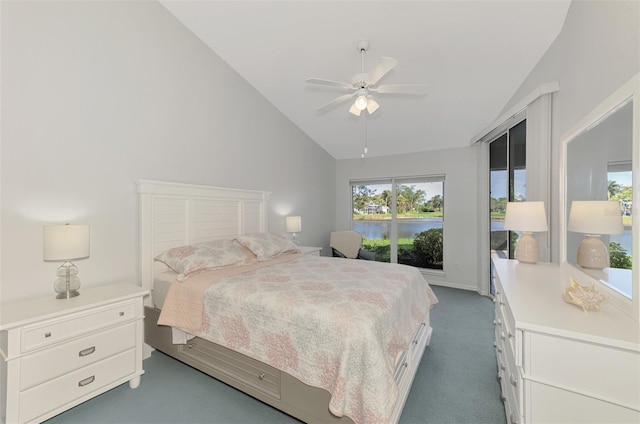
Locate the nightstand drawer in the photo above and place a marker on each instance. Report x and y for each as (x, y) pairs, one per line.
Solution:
(51, 363)
(56, 393)
(40, 335)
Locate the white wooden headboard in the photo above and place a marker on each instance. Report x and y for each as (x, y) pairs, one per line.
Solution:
(174, 214)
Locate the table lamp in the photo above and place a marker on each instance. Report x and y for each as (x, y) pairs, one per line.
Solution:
(64, 243)
(294, 225)
(527, 217)
(593, 218)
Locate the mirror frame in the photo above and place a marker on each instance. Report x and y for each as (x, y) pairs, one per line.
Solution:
(630, 90)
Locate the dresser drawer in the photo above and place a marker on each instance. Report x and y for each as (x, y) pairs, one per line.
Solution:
(511, 406)
(509, 325)
(41, 335)
(236, 366)
(56, 393)
(552, 405)
(59, 360)
(586, 368)
(512, 383)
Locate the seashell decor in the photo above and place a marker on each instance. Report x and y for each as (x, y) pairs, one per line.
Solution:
(586, 297)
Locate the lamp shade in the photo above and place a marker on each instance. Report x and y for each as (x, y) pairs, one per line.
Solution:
(525, 216)
(64, 242)
(361, 102)
(595, 217)
(372, 105)
(293, 224)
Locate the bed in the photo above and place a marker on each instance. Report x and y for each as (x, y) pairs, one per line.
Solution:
(174, 215)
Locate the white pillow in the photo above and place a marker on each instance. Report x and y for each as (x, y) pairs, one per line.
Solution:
(194, 258)
(267, 245)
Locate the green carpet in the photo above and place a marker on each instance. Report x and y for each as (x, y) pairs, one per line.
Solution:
(456, 381)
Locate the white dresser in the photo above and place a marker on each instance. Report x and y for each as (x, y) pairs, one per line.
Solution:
(57, 353)
(556, 363)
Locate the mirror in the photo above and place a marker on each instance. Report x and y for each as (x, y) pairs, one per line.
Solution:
(598, 166)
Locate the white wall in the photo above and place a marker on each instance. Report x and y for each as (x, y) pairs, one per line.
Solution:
(460, 197)
(96, 95)
(597, 51)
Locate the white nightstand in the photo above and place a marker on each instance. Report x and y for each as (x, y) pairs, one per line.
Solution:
(57, 353)
(310, 250)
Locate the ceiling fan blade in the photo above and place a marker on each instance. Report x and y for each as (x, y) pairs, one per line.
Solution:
(384, 65)
(401, 89)
(336, 101)
(329, 83)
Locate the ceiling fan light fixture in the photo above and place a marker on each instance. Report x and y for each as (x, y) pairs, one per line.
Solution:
(354, 110)
(361, 102)
(372, 105)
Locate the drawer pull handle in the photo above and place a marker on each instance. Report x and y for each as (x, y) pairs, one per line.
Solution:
(261, 376)
(499, 350)
(514, 380)
(86, 352)
(502, 336)
(86, 381)
(513, 419)
(121, 314)
(190, 345)
(47, 334)
(510, 335)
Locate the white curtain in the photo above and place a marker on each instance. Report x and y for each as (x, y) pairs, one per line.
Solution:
(539, 163)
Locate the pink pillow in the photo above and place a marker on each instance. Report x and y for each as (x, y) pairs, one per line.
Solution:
(194, 258)
(267, 245)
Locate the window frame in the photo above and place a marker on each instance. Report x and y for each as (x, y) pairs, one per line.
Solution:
(394, 182)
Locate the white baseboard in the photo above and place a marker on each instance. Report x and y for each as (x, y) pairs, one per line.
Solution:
(452, 285)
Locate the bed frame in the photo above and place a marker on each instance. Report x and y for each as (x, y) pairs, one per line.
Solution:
(172, 215)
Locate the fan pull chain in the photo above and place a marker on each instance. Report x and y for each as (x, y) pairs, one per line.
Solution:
(365, 150)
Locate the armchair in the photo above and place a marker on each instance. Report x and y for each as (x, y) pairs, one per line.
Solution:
(348, 244)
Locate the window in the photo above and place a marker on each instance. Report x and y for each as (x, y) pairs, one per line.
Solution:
(401, 219)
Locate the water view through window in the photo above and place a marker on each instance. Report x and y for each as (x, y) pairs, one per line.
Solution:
(619, 188)
(401, 220)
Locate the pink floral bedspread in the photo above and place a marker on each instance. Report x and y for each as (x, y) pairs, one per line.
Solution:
(332, 323)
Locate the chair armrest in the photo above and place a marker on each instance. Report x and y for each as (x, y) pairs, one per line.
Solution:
(369, 256)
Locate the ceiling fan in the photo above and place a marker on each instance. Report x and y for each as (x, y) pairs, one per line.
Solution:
(364, 85)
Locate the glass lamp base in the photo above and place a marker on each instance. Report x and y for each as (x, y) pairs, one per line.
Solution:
(68, 283)
(69, 295)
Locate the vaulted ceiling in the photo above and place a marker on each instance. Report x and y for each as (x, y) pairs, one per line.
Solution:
(472, 55)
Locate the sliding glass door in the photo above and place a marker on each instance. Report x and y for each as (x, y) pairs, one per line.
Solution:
(507, 181)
